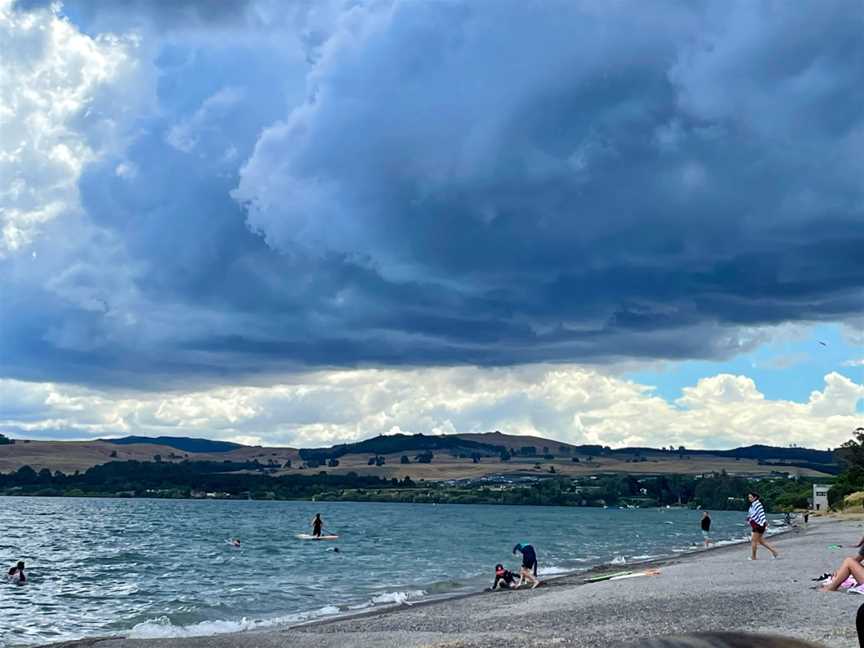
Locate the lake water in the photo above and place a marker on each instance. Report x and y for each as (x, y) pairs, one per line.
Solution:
(156, 568)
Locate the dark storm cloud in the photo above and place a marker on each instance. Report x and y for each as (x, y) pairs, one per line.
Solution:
(490, 183)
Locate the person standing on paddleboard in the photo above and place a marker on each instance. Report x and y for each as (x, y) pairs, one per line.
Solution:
(758, 523)
(529, 564)
(317, 524)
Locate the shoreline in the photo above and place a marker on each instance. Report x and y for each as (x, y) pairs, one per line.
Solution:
(575, 578)
(569, 581)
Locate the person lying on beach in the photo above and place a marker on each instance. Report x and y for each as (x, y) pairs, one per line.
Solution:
(529, 564)
(720, 640)
(16, 573)
(504, 578)
(849, 567)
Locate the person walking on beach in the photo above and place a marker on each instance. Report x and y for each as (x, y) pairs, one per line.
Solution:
(529, 564)
(705, 523)
(758, 523)
(317, 524)
(16, 574)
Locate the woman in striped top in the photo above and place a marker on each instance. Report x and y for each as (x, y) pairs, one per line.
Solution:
(756, 518)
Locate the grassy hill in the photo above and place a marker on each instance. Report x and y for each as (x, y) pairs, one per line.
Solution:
(185, 444)
(429, 457)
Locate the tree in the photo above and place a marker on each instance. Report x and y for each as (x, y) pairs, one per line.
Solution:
(157, 458)
(25, 475)
(505, 455)
(333, 463)
(424, 457)
(475, 457)
(4, 440)
(113, 454)
(404, 459)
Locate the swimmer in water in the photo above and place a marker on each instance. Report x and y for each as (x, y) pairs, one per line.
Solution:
(16, 573)
(529, 564)
(235, 542)
(317, 523)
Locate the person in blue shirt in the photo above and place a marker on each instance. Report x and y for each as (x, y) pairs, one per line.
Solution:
(529, 564)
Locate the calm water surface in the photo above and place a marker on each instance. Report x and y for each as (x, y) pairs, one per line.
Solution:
(150, 568)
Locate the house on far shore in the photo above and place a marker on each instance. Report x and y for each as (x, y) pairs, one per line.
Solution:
(820, 497)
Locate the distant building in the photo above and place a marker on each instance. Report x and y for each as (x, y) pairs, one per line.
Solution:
(820, 497)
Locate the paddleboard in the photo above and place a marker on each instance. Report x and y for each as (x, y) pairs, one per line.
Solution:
(309, 536)
(597, 579)
(647, 572)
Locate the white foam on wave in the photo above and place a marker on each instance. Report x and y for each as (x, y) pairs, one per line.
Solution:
(396, 598)
(644, 557)
(724, 543)
(553, 570)
(162, 628)
(618, 560)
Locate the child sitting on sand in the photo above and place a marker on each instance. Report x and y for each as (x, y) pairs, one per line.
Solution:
(504, 578)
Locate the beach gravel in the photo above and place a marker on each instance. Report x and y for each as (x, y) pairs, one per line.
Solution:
(717, 590)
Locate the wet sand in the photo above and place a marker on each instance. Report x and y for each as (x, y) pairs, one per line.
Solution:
(707, 591)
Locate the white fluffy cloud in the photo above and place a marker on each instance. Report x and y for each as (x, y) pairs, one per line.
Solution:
(567, 403)
(63, 97)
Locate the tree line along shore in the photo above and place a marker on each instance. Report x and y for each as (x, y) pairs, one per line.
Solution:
(245, 480)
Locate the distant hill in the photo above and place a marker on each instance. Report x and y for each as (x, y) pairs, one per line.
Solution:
(186, 444)
(515, 442)
(402, 443)
(419, 456)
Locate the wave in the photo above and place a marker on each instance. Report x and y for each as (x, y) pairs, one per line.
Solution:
(397, 598)
(554, 570)
(162, 628)
(618, 560)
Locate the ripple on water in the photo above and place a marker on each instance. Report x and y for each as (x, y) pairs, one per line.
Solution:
(162, 566)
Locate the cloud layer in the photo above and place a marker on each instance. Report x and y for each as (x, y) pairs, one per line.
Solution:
(228, 197)
(561, 402)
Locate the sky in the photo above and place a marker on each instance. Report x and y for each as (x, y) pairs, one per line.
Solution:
(303, 222)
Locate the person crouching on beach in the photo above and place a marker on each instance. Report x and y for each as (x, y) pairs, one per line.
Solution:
(504, 578)
(16, 574)
(529, 564)
(758, 523)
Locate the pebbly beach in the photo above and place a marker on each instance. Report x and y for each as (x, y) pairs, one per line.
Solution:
(712, 590)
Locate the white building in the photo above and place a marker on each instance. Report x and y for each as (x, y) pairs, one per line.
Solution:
(820, 497)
